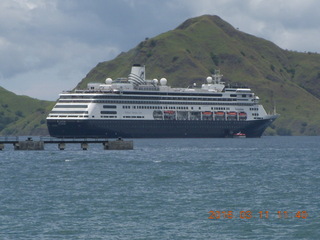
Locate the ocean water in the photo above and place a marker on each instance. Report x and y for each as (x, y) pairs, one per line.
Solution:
(267, 188)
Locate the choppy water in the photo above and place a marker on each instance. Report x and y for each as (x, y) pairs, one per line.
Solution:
(164, 189)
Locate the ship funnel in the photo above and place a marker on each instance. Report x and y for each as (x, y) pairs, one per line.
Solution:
(137, 75)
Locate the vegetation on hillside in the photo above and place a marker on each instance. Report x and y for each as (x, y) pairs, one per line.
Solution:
(22, 115)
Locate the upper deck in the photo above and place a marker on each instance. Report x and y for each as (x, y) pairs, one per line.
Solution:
(137, 85)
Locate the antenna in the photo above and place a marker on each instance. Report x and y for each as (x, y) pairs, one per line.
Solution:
(217, 76)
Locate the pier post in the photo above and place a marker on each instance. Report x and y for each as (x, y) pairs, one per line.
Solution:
(61, 146)
(118, 145)
(29, 145)
(84, 146)
(16, 146)
(106, 145)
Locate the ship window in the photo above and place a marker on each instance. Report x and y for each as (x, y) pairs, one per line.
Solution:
(71, 106)
(108, 112)
(70, 112)
(109, 106)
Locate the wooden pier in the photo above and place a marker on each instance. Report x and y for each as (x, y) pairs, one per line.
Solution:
(38, 143)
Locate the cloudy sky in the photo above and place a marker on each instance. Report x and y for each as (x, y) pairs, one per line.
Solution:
(47, 46)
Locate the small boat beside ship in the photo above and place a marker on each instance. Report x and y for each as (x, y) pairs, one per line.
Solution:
(239, 135)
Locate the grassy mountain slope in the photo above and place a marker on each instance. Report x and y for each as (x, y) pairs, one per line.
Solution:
(22, 115)
(283, 79)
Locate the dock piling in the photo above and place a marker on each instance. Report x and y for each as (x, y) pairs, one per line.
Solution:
(29, 145)
(61, 146)
(118, 145)
(84, 146)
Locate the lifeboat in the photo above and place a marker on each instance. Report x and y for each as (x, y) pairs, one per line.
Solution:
(207, 116)
(242, 116)
(232, 115)
(169, 112)
(239, 135)
(219, 115)
(207, 113)
(169, 115)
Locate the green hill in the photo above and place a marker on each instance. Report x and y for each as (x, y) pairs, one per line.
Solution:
(22, 115)
(283, 79)
(287, 80)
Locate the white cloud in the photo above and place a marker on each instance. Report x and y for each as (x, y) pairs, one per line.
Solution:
(46, 81)
(41, 45)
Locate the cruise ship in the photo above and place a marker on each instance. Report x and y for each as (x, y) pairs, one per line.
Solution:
(135, 107)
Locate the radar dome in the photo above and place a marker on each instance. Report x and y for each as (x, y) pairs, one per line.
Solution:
(209, 79)
(163, 81)
(155, 81)
(108, 81)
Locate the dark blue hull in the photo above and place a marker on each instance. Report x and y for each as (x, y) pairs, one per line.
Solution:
(155, 128)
